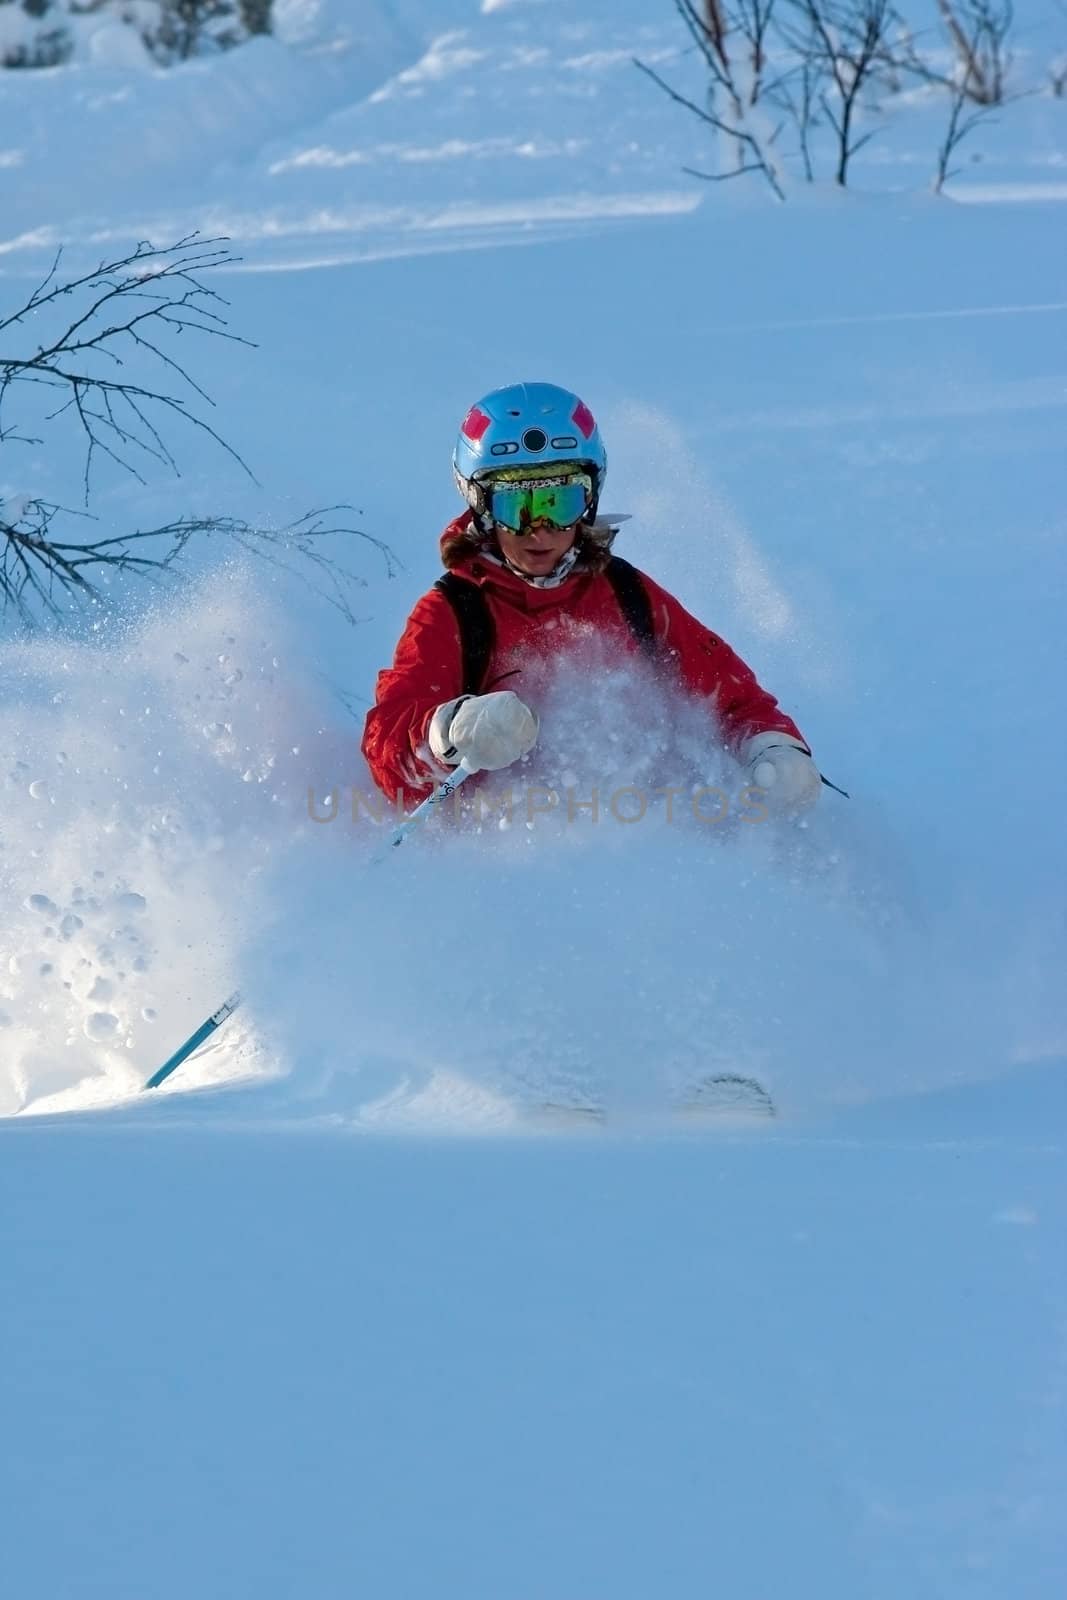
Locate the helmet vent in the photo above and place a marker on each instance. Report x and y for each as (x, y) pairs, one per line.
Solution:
(535, 439)
(566, 442)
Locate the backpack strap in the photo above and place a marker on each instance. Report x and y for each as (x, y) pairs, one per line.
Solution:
(634, 603)
(475, 623)
(478, 635)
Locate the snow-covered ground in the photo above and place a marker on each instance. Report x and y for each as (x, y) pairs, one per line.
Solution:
(342, 1320)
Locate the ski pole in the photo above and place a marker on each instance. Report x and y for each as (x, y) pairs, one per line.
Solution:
(443, 792)
(194, 1041)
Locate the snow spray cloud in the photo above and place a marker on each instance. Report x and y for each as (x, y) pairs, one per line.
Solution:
(155, 855)
(632, 750)
(146, 783)
(698, 545)
(558, 962)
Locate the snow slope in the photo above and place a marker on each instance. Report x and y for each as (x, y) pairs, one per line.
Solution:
(283, 1335)
(277, 1365)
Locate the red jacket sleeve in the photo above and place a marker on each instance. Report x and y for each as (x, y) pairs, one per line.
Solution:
(427, 670)
(709, 668)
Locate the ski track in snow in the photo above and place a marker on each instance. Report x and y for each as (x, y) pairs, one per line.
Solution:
(873, 318)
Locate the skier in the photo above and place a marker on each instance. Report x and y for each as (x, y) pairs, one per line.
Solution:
(529, 567)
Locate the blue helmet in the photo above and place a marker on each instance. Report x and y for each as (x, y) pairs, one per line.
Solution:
(527, 425)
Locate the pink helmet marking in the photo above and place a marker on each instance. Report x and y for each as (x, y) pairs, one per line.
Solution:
(583, 419)
(474, 424)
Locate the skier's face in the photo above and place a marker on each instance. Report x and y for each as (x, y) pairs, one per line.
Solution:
(537, 549)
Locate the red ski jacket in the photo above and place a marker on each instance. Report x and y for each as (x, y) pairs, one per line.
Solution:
(529, 621)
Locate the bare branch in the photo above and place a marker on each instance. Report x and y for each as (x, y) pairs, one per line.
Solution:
(743, 137)
(980, 39)
(799, 106)
(102, 340)
(754, 23)
(961, 93)
(714, 26)
(43, 576)
(721, 177)
(849, 40)
(708, 34)
(123, 310)
(824, 65)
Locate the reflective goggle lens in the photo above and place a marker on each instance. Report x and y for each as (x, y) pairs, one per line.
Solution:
(561, 501)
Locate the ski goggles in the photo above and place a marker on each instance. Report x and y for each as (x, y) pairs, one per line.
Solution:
(517, 503)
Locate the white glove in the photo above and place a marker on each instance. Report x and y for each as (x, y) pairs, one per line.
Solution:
(486, 731)
(781, 765)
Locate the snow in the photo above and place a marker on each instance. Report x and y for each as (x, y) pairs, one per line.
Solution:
(345, 1317)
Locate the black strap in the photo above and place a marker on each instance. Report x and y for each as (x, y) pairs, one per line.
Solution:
(478, 635)
(633, 600)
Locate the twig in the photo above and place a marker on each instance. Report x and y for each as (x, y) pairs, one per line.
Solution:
(124, 308)
(42, 574)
